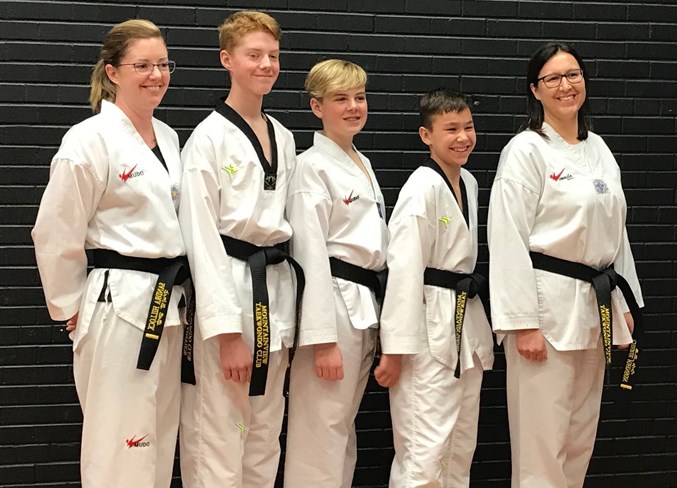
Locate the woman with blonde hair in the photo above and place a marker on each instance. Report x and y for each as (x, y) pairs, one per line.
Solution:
(113, 190)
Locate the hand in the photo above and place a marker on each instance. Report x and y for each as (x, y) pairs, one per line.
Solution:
(236, 358)
(72, 323)
(388, 370)
(631, 327)
(531, 344)
(328, 361)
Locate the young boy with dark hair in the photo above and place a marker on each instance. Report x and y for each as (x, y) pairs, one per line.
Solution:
(435, 337)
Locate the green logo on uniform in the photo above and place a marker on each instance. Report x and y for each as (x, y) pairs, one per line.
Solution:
(231, 169)
(445, 220)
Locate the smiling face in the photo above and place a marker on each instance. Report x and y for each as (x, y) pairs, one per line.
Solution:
(343, 113)
(563, 102)
(254, 63)
(140, 93)
(451, 137)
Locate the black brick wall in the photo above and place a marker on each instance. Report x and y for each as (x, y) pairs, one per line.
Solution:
(47, 49)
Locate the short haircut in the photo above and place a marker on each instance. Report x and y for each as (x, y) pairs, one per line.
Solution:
(239, 24)
(535, 115)
(332, 75)
(440, 101)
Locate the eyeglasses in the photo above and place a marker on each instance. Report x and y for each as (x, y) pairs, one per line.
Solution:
(554, 80)
(145, 69)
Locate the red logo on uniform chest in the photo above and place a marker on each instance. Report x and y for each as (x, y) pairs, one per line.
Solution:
(557, 177)
(125, 175)
(350, 198)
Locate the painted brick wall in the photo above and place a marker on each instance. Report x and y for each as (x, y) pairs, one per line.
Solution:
(408, 46)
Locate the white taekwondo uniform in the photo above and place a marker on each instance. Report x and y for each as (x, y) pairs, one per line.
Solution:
(229, 439)
(335, 211)
(434, 414)
(562, 200)
(107, 190)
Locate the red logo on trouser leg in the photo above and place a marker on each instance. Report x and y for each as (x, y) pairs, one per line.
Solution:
(137, 442)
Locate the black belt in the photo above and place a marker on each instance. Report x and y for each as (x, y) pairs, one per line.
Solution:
(374, 280)
(170, 271)
(603, 282)
(466, 286)
(258, 258)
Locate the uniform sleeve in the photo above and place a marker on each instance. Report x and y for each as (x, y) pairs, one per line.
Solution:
(308, 211)
(69, 202)
(512, 211)
(217, 303)
(625, 266)
(402, 328)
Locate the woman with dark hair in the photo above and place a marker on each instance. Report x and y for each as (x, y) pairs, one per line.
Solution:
(558, 246)
(114, 190)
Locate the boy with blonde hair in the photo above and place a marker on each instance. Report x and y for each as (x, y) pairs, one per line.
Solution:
(435, 336)
(336, 209)
(238, 162)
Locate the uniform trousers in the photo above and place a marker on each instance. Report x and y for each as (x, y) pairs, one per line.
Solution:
(229, 439)
(321, 449)
(131, 416)
(435, 419)
(553, 410)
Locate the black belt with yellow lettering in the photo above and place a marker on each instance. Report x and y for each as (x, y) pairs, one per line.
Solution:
(258, 258)
(374, 280)
(170, 271)
(603, 282)
(466, 286)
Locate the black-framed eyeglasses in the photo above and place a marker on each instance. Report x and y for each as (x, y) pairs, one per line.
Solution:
(145, 69)
(554, 80)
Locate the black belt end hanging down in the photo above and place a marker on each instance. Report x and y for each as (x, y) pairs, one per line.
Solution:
(157, 313)
(257, 267)
(630, 366)
(170, 271)
(187, 367)
(466, 286)
(258, 259)
(603, 283)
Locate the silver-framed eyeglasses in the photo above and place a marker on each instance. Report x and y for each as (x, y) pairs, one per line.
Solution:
(554, 80)
(145, 69)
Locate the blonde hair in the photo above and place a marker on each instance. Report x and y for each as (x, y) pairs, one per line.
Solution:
(114, 47)
(332, 75)
(235, 27)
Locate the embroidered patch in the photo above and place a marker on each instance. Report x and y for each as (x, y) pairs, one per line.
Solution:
(231, 169)
(269, 182)
(445, 220)
(600, 186)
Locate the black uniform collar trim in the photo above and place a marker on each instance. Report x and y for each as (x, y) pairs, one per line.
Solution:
(429, 163)
(270, 169)
(158, 154)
